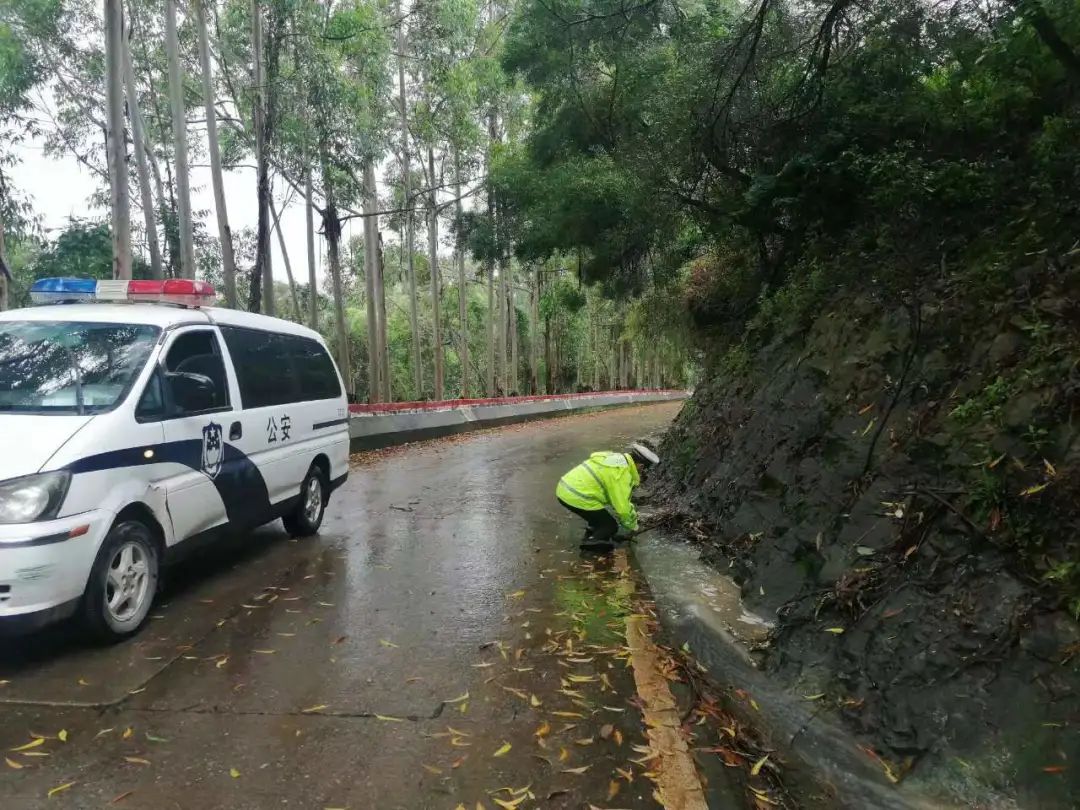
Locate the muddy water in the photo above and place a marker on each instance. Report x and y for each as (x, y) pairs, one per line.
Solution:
(706, 594)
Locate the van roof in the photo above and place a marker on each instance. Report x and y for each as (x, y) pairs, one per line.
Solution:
(160, 315)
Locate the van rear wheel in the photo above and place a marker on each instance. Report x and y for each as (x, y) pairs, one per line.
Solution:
(307, 517)
(123, 582)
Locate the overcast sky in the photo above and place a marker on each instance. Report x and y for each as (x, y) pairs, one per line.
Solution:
(61, 188)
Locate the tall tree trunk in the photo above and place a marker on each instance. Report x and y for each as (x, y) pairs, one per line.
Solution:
(179, 131)
(371, 270)
(228, 261)
(410, 222)
(463, 290)
(436, 292)
(384, 343)
(332, 231)
(500, 294)
(288, 264)
(514, 377)
(5, 281)
(262, 278)
(534, 331)
(138, 141)
(309, 227)
(114, 86)
(491, 324)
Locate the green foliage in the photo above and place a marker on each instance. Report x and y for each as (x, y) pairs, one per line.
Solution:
(82, 250)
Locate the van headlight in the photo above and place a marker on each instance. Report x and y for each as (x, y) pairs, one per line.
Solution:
(33, 497)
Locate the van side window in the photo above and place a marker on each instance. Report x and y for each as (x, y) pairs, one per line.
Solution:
(196, 353)
(152, 403)
(314, 368)
(263, 366)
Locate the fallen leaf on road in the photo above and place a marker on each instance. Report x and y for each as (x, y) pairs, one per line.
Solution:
(458, 699)
(59, 789)
(613, 789)
(13, 764)
(505, 749)
(386, 643)
(152, 738)
(510, 805)
(137, 760)
(389, 719)
(577, 771)
(457, 763)
(618, 737)
(568, 714)
(484, 665)
(264, 652)
(433, 769)
(128, 732)
(102, 733)
(519, 693)
(563, 754)
(325, 604)
(36, 754)
(626, 774)
(122, 796)
(606, 730)
(585, 741)
(534, 701)
(62, 736)
(83, 682)
(759, 765)
(235, 774)
(222, 662)
(543, 730)
(818, 696)
(835, 630)
(32, 744)
(311, 709)
(515, 595)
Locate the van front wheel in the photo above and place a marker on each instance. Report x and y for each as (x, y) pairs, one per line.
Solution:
(307, 517)
(123, 582)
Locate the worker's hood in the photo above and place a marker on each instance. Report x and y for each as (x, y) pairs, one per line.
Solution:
(607, 458)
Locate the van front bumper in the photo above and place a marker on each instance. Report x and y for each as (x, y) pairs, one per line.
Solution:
(44, 568)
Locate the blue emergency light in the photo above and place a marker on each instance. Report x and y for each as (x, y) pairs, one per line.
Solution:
(58, 290)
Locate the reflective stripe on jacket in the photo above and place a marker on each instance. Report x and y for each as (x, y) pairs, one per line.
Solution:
(604, 479)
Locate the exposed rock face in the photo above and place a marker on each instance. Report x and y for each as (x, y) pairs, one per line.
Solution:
(910, 474)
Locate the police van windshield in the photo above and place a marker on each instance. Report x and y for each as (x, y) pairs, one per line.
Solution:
(65, 367)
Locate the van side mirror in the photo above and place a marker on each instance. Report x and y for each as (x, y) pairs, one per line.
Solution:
(191, 393)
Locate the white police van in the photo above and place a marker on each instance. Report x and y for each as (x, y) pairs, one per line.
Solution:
(136, 422)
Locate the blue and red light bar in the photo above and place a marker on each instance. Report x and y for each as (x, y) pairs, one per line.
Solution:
(181, 291)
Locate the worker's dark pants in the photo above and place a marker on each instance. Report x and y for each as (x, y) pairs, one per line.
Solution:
(601, 525)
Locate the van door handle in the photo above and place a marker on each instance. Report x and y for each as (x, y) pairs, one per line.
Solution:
(236, 431)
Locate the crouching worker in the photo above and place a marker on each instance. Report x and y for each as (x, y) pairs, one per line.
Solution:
(603, 480)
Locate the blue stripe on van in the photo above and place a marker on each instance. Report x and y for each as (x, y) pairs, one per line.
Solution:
(238, 482)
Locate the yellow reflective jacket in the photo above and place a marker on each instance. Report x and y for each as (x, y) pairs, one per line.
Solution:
(604, 479)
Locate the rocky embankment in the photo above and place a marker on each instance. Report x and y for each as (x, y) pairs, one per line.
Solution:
(899, 484)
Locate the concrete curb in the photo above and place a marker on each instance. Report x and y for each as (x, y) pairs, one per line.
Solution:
(802, 732)
(371, 431)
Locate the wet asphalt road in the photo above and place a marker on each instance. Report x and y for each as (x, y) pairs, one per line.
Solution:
(440, 640)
